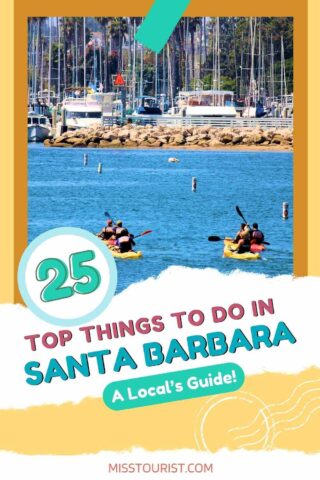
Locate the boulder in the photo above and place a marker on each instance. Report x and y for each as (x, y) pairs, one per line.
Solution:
(61, 144)
(72, 140)
(156, 144)
(115, 143)
(81, 143)
(130, 143)
(203, 143)
(124, 134)
(192, 140)
(178, 139)
(215, 142)
(226, 138)
(237, 139)
(143, 137)
(60, 139)
(109, 136)
(277, 138)
(257, 138)
(164, 139)
(93, 138)
(204, 129)
(104, 144)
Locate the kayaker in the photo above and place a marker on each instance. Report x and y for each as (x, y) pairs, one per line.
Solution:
(256, 236)
(108, 231)
(120, 230)
(125, 243)
(243, 239)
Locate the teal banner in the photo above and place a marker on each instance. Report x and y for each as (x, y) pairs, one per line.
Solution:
(171, 387)
(160, 23)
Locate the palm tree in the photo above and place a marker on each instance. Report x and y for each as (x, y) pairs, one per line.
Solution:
(118, 30)
(193, 25)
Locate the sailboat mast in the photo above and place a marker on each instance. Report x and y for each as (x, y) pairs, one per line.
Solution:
(32, 61)
(76, 52)
(259, 62)
(252, 88)
(84, 56)
(164, 90)
(156, 75)
(141, 69)
(283, 76)
(272, 91)
(170, 83)
(49, 61)
(100, 65)
(134, 65)
(41, 69)
(218, 52)
(94, 63)
(213, 56)
(37, 58)
(59, 59)
(186, 30)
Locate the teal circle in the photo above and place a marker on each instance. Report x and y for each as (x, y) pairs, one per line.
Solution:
(71, 322)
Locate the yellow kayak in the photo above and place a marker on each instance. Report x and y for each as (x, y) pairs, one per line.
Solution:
(126, 256)
(229, 253)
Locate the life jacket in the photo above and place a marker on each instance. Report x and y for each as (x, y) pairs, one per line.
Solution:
(108, 232)
(120, 232)
(257, 235)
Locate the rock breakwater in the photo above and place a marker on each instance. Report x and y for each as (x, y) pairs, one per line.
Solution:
(134, 136)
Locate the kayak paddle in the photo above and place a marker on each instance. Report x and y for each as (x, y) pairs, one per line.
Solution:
(142, 234)
(107, 215)
(240, 214)
(214, 238)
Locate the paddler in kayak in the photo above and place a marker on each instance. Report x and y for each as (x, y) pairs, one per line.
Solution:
(125, 243)
(120, 230)
(242, 239)
(108, 231)
(256, 236)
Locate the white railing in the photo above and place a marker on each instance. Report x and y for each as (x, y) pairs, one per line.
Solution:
(218, 122)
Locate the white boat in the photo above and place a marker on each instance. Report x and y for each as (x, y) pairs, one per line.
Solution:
(38, 127)
(81, 109)
(204, 103)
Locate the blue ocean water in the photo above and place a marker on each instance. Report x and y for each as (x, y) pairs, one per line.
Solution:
(142, 189)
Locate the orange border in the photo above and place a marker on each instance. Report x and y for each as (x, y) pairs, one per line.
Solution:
(14, 168)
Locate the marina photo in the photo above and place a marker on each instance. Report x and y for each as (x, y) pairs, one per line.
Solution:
(181, 158)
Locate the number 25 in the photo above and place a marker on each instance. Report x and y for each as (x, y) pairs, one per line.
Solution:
(55, 289)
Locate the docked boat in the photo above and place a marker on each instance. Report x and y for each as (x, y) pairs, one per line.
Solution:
(204, 103)
(83, 108)
(147, 105)
(39, 127)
